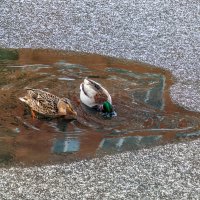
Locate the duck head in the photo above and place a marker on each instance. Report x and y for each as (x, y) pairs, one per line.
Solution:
(107, 108)
(66, 109)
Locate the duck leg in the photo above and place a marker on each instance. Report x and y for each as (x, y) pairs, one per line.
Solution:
(33, 114)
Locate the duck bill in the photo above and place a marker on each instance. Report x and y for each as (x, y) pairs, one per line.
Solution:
(74, 114)
(113, 114)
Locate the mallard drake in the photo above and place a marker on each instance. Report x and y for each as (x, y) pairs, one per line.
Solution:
(94, 95)
(48, 104)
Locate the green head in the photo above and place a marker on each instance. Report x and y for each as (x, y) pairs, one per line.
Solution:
(107, 107)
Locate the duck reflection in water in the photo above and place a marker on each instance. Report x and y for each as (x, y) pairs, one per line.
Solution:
(128, 143)
(70, 142)
(66, 145)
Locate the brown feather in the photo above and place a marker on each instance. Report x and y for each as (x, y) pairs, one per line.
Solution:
(46, 103)
(100, 97)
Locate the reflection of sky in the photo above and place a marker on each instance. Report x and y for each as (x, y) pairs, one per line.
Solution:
(66, 79)
(188, 135)
(153, 96)
(66, 145)
(132, 142)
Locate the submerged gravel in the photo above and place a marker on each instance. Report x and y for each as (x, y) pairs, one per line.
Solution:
(162, 33)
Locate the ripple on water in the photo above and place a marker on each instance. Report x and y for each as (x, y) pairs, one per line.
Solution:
(145, 114)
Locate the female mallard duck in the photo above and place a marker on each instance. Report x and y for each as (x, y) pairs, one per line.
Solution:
(94, 95)
(48, 104)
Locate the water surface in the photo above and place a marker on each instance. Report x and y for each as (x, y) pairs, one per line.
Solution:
(140, 93)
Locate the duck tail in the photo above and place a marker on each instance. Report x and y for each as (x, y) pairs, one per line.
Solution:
(86, 80)
(27, 88)
(23, 99)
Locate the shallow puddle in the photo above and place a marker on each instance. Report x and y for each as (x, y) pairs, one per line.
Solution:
(146, 115)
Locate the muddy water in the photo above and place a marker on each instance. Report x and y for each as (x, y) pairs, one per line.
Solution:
(146, 114)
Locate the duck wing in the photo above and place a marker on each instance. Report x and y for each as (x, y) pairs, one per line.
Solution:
(45, 101)
(38, 94)
(101, 94)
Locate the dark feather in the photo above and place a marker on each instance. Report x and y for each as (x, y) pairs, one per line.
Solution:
(100, 97)
(95, 85)
(82, 85)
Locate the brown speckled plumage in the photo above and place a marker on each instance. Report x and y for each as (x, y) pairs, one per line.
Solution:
(47, 104)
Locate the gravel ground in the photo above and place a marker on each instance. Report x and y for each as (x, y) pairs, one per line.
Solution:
(164, 172)
(162, 33)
